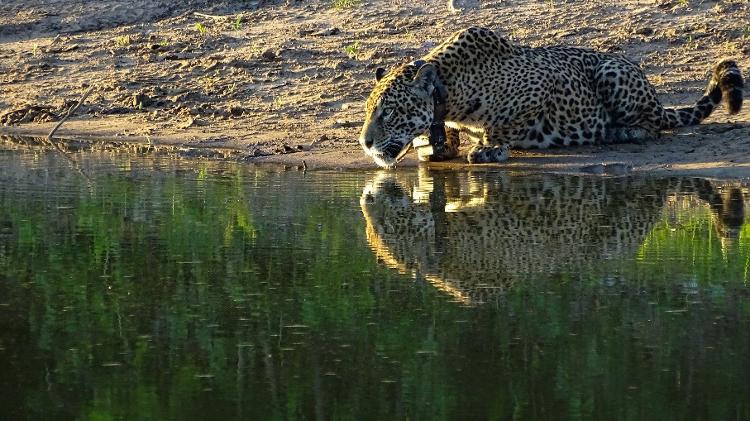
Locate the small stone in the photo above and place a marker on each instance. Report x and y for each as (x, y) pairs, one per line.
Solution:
(141, 100)
(187, 123)
(235, 110)
(346, 123)
(328, 32)
(459, 6)
(345, 65)
(646, 31)
(269, 54)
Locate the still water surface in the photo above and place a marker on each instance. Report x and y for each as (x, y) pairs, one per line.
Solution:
(148, 288)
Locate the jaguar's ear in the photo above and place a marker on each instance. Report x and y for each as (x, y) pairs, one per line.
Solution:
(379, 73)
(425, 78)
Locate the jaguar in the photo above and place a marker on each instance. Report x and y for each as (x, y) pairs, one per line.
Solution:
(504, 96)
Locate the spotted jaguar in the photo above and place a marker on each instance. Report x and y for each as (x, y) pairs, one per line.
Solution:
(504, 95)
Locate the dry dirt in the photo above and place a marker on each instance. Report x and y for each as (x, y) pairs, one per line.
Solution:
(286, 81)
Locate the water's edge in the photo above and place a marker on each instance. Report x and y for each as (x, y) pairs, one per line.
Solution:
(661, 158)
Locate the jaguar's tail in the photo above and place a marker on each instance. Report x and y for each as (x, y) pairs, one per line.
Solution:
(726, 83)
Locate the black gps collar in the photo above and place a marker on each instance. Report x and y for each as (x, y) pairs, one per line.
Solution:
(439, 96)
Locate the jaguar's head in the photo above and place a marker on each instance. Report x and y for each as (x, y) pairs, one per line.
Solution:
(396, 226)
(399, 109)
(386, 203)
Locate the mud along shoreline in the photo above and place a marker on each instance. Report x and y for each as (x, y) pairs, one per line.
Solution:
(671, 155)
(285, 81)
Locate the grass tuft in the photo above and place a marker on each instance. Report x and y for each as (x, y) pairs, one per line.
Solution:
(237, 24)
(201, 28)
(123, 40)
(345, 4)
(352, 50)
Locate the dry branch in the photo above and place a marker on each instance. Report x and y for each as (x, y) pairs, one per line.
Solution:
(214, 17)
(70, 113)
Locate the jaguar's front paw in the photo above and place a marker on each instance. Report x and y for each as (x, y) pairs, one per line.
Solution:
(431, 153)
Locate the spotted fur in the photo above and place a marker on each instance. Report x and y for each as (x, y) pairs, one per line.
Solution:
(503, 95)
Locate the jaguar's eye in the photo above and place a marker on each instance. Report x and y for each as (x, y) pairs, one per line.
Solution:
(387, 113)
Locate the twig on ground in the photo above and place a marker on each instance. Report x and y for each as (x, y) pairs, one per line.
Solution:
(70, 113)
(60, 123)
(214, 17)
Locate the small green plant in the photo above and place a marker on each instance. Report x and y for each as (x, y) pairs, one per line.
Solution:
(35, 50)
(237, 24)
(683, 3)
(123, 40)
(201, 28)
(345, 4)
(352, 49)
(164, 43)
(691, 44)
(278, 102)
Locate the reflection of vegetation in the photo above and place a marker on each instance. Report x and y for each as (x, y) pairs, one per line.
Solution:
(232, 293)
(694, 238)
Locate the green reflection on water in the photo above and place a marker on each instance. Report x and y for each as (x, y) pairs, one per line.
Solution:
(193, 290)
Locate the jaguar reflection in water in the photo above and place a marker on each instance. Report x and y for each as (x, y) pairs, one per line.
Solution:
(473, 235)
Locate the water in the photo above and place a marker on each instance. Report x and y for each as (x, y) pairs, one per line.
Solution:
(149, 288)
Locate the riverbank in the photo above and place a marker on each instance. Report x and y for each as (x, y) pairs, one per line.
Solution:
(285, 82)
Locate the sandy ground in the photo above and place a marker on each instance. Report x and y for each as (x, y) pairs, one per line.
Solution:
(276, 81)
